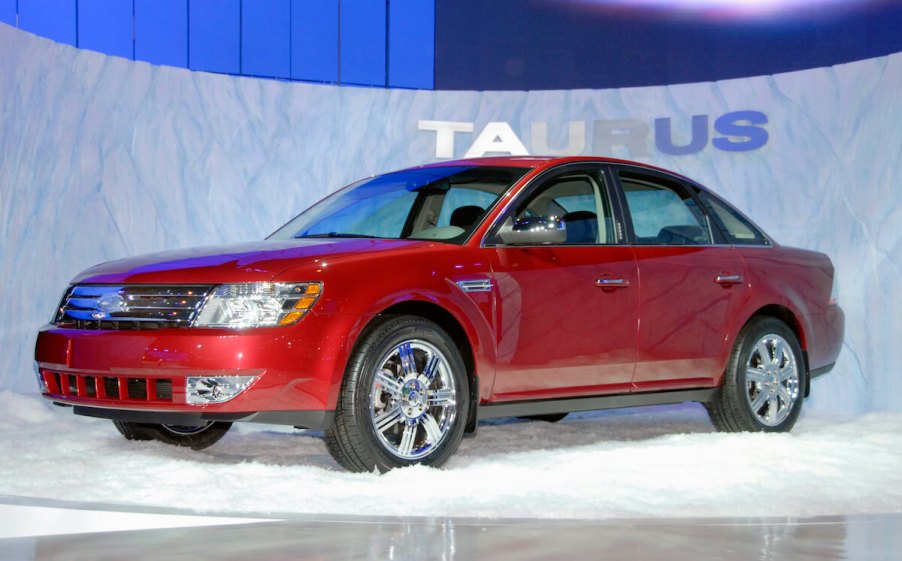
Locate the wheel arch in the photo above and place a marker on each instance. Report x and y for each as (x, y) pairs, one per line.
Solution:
(785, 315)
(450, 324)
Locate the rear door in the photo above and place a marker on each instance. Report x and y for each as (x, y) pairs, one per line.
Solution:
(690, 287)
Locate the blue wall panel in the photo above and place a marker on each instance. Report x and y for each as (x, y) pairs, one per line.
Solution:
(106, 26)
(214, 35)
(54, 19)
(314, 40)
(266, 38)
(363, 42)
(411, 43)
(8, 12)
(161, 31)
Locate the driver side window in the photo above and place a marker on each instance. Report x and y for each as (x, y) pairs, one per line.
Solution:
(580, 201)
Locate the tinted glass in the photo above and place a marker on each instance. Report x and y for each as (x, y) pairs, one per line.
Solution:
(663, 213)
(737, 229)
(443, 203)
(581, 201)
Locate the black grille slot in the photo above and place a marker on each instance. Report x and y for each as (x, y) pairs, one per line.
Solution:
(111, 386)
(91, 386)
(164, 390)
(137, 388)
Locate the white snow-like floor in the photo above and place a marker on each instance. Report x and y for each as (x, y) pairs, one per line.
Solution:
(636, 463)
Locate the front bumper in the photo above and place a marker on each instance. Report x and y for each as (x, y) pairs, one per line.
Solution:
(118, 374)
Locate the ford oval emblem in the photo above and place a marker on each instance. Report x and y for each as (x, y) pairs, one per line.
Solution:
(98, 315)
(111, 302)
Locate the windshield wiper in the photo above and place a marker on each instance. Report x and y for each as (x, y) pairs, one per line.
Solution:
(335, 235)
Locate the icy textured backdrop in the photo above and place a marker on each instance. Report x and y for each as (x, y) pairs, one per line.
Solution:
(102, 157)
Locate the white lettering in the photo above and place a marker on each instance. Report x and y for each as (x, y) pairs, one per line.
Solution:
(444, 135)
(497, 136)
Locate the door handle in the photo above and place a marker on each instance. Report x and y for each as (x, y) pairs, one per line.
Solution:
(728, 279)
(612, 283)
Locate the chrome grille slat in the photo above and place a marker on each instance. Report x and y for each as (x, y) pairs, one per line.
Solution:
(101, 306)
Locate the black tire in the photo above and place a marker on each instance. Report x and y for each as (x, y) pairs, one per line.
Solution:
(404, 398)
(547, 417)
(761, 395)
(195, 437)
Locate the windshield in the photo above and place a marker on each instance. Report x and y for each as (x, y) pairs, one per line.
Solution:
(442, 203)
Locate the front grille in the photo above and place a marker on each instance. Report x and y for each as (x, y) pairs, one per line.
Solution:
(108, 388)
(130, 307)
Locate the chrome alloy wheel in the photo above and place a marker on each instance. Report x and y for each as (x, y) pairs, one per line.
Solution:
(772, 380)
(413, 400)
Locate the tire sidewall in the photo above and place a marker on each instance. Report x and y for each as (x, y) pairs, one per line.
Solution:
(360, 380)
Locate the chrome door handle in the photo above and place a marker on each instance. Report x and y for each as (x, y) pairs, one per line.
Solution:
(612, 283)
(728, 279)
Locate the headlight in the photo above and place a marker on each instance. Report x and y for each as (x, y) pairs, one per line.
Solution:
(257, 304)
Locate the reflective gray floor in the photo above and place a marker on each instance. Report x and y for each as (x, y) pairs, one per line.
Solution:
(863, 537)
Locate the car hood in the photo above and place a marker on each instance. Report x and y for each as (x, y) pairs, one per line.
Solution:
(256, 261)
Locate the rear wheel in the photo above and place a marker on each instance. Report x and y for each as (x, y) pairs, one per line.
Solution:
(764, 383)
(196, 437)
(403, 399)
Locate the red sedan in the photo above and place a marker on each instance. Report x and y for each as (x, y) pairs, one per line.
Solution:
(399, 311)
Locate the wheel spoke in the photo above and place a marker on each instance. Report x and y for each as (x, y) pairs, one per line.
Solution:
(787, 372)
(407, 438)
(759, 401)
(754, 375)
(433, 431)
(388, 383)
(778, 352)
(441, 398)
(763, 352)
(408, 363)
(783, 392)
(773, 407)
(431, 367)
(388, 419)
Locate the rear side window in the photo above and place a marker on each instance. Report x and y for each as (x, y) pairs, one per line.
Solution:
(663, 213)
(735, 227)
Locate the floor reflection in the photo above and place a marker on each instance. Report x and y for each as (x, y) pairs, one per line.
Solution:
(871, 537)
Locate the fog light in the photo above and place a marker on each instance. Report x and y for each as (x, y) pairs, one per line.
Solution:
(216, 389)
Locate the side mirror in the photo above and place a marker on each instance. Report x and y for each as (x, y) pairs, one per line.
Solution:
(534, 230)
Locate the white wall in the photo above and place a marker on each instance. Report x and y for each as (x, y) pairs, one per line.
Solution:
(102, 157)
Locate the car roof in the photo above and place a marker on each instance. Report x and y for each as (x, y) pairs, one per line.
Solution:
(533, 162)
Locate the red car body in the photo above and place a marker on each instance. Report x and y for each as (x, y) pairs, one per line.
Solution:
(548, 332)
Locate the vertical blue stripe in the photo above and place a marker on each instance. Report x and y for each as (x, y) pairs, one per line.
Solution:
(266, 38)
(8, 12)
(362, 42)
(314, 40)
(161, 31)
(411, 44)
(53, 19)
(106, 26)
(214, 35)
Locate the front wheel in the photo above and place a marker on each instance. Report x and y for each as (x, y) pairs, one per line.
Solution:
(403, 399)
(764, 383)
(196, 437)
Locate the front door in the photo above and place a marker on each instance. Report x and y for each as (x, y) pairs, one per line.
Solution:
(566, 314)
